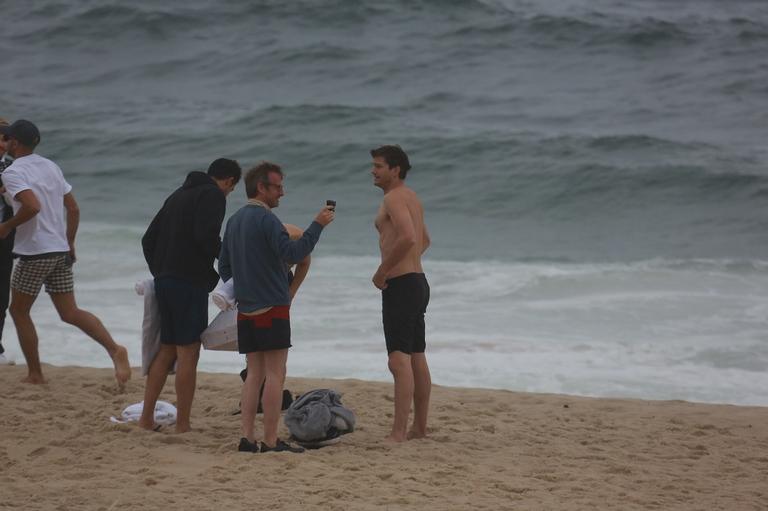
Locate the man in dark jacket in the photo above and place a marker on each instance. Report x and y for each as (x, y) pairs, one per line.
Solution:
(180, 246)
(6, 249)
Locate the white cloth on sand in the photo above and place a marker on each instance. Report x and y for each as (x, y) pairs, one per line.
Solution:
(165, 413)
(224, 295)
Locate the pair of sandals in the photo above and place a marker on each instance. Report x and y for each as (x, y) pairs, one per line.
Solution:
(280, 446)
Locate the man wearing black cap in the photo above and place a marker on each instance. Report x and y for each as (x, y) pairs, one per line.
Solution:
(45, 244)
(180, 246)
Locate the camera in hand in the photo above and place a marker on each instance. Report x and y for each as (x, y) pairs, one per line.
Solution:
(331, 204)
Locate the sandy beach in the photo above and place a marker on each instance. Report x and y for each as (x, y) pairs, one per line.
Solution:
(488, 449)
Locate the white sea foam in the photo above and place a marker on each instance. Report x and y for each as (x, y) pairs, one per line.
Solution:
(690, 330)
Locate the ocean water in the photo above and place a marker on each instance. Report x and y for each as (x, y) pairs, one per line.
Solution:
(594, 174)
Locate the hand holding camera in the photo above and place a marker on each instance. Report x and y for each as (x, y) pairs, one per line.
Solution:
(327, 214)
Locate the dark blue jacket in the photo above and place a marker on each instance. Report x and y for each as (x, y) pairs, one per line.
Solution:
(254, 252)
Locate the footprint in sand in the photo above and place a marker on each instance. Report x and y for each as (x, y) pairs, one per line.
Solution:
(38, 452)
(172, 439)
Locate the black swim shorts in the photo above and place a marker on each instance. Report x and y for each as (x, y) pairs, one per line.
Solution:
(404, 302)
(268, 331)
(183, 310)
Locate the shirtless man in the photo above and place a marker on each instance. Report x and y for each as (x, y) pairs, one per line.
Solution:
(403, 238)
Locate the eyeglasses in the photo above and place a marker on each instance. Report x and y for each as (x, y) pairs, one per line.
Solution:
(280, 188)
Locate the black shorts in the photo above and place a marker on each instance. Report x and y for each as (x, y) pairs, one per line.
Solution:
(268, 331)
(183, 310)
(403, 304)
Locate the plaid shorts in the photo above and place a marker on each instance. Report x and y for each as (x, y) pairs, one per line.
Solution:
(55, 271)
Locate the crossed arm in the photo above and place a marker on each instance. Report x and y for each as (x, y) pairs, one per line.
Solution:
(30, 207)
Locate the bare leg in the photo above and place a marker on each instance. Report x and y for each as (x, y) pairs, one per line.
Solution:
(69, 312)
(21, 305)
(158, 372)
(400, 367)
(273, 393)
(422, 389)
(249, 402)
(186, 380)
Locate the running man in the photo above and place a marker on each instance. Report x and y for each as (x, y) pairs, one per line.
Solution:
(45, 244)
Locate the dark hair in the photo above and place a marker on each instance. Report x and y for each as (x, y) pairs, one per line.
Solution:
(259, 174)
(223, 168)
(24, 132)
(394, 156)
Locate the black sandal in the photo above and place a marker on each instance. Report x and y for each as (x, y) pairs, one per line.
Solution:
(247, 446)
(281, 446)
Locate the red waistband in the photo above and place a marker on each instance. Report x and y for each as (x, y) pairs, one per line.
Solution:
(276, 312)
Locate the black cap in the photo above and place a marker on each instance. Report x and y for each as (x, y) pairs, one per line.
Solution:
(23, 131)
